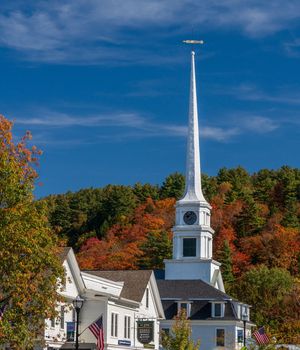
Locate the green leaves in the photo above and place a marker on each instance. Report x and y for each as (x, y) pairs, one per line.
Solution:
(265, 290)
(29, 268)
(179, 337)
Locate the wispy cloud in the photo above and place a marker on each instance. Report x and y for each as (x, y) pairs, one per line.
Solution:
(58, 119)
(123, 126)
(259, 124)
(220, 134)
(250, 92)
(292, 48)
(97, 32)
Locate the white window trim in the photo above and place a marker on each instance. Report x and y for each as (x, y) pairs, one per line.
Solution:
(188, 307)
(213, 309)
(182, 253)
(127, 327)
(114, 324)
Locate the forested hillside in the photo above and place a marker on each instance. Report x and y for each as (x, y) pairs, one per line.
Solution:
(256, 219)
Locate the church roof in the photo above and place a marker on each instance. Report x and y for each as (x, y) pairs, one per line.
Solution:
(189, 290)
(200, 310)
(199, 293)
(63, 253)
(135, 281)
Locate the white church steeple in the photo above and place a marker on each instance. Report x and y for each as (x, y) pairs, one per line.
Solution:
(192, 233)
(193, 189)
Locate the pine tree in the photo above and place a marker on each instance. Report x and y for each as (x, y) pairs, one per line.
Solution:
(173, 186)
(226, 268)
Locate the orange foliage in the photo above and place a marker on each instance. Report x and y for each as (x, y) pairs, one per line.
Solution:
(278, 247)
(241, 262)
(121, 248)
(223, 214)
(225, 234)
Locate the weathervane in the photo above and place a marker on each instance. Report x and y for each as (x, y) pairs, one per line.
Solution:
(193, 42)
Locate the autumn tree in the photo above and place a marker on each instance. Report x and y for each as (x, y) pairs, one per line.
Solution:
(30, 268)
(276, 246)
(141, 240)
(179, 337)
(265, 289)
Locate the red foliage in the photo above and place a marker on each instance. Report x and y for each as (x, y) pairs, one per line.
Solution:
(121, 248)
(277, 246)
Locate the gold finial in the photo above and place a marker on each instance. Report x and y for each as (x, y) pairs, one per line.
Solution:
(193, 42)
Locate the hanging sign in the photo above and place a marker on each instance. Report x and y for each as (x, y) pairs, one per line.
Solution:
(145, 331)
(70, 331)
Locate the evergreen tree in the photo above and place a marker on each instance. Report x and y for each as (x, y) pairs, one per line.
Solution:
(226, 267)
(249, 221)
(240, 181)
(156, 248)
(173, 186)
(144, 191)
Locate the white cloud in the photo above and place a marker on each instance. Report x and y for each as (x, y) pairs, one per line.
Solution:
(260, 124)
(220, 134)
(249, 92)
(134, 125)
(57, 119)
(93, 31)
(292, 48)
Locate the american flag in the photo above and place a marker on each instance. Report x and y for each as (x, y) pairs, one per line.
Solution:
(2, 310)
(97, 329)
(261, 336)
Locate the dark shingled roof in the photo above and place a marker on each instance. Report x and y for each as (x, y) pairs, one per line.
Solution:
(135, 281)
(172, 291)
(200, 310)
(189, 290)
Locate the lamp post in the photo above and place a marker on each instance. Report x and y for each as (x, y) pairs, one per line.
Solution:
(77, 303)
(245, 319)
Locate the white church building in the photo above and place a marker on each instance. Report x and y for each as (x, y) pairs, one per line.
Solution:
(192, 279)
(137, 305)
(128, 301)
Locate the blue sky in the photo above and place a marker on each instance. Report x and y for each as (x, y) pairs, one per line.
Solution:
(103, 86)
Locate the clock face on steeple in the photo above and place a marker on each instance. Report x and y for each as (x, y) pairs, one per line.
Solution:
(190, 217)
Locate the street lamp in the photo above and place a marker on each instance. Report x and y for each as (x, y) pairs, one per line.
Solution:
(245, 319)
(77, 303)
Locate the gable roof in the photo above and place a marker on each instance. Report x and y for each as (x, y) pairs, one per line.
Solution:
(189, 290)
(63, 253)
(135, 281)
(66, 254)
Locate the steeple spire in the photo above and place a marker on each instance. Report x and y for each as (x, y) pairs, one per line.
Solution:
(193, 188)
(192, 233)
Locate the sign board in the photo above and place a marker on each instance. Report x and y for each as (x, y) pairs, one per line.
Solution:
(70, 331)
(240, 336)
(124, 342)
(149, 346)
(145, 331)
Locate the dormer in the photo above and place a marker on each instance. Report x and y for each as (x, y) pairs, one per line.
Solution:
(184, 305)
(217, 309)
